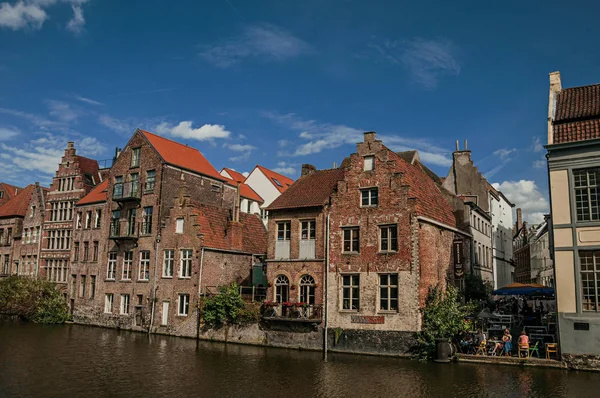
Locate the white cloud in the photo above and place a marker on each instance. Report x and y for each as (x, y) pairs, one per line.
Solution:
(526, 195)
(504, 154)
(120, 126)
(539, 164)
(537, 144)
(240, 147)
(263, 41)
(426, 60)
(245, 173)
(35, 120)
(88, 100)
(8, 133)
(185, 130)
(323, 136)
(62, 111)
(285, 168)
(283, 143)
(31, 14)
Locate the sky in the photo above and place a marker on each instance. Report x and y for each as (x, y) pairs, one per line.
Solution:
(281, 83)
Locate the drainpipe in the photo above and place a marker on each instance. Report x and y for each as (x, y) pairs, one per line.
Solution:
(199, 292)
(325, 301)
(154, 282)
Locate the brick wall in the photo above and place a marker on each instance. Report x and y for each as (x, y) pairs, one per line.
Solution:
(31, 234)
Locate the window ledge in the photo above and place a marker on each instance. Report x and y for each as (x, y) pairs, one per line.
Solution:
(388, 252)
(109, 280)
(181, 316)
(369, 206)
(125, 280)
(166, 277)
(143, 280)
(351, 253)
(184, 277)
(349, 311)
(145, 235)
(391, 312)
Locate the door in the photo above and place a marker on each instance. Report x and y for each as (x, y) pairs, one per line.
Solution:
(165, 313)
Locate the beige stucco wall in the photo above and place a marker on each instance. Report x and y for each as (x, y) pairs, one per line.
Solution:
(563, 237)
(565, 281)
(559, 188)
(589, 236)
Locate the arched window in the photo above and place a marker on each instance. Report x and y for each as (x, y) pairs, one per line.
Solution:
(307, 289)
(282, 289)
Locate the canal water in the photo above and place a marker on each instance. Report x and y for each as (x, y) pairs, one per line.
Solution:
(80, 361)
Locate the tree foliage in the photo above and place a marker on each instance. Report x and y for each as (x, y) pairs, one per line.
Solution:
(443, 317)
(225, 307)
(476, 290)
(33, 300)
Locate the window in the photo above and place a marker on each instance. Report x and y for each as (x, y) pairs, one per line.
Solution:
(131, 222)
(308, 230)
(179, 226)
(369, 197)
(368, 163)
(76, 251)
(283, 230)
(307, 289)
(82, 286)
(282, 289)
(98, 219)
(388, 292)
(276, 181)
(92, 286)
(185, 265)
(135, 157)
(112, 265)
(88, 219)
(124, 304)
(37, 236)
(32, 211)
(95, 252)
(140, 300)
(215, 188)
(115, 223)
(108, 303)
(86, 251)
(127, 264)
(78, 224)
(169, 256)
(134, 180)
(587, 194)
(144, 273)
(590, 279)
(183, 304)
(350, 292)
(150, 180)
(351, 240)
(1, 194)
(389, 238)
(147, 221)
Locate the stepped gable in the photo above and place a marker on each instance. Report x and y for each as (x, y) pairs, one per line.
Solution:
(311, 190)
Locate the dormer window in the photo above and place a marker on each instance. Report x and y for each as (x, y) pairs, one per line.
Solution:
(1, 194)
(277, 182)
(368, 163)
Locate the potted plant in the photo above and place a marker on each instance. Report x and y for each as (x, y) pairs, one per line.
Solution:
(270, 303)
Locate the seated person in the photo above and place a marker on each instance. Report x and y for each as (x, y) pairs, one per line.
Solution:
(481, 337)
(523, 340)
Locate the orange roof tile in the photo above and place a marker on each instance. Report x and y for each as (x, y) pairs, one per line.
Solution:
(9, 190)
(181, 155)
(235, 176)
(246, 191)
(96, 195)
(17, 206)
(311, 190)
(280, 182)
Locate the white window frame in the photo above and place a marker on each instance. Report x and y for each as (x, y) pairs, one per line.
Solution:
(179, 224)
(168, 263)
(127, 265)
(183, 299)
(351, 286)
(108, 303)
(185, 263)
(287, 230)
(369, 163)
(389, 239)
(389, 289)
(125, 301)
(144, 270)
(353, 231)
(111, 268)
(370, 197)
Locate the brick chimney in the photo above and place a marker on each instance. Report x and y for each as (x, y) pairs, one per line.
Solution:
(555, 88)
(234, 229)
(519, 219)
(308, 169)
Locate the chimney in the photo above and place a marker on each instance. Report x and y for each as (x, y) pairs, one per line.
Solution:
(519, 219)
(70, 145)
(117, 153)
(555, 88)
(307, 169)
(369, 136)
(457, 147)
(466, 146)
(234, 229)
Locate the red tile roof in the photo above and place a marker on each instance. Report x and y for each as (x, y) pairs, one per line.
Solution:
(311, 190)
(577, 114)
(214, 221)
(235, 176)
(9, 190)
(17, 206)
(96, 195)
(284, 182)
(181, 155)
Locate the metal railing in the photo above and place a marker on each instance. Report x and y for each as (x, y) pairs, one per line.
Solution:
(294, 313)
(282, 250)
(126, 190)
(116, 232)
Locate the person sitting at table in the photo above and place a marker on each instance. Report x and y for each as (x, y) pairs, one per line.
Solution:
(524, 340)
(507, 340)
(481, 337)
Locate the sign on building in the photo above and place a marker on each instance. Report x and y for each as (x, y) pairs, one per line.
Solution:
(459, 263)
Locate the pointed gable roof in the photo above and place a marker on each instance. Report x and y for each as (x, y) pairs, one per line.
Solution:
(9, 190)
(311, 190)
(183, 156)
(96, 195)
(17, 206)
(235, 176)
(279, 181)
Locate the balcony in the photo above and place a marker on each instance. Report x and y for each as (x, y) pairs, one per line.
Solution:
(126, 192)
(123, 231)
(282, 250)
(307, 249)
(290, 312)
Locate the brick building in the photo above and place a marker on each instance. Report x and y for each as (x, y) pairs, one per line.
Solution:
(21, 219)
(76, 177)
(250, 201)
(521, 250)
(7, 192)
(297, 240)
(392, 231)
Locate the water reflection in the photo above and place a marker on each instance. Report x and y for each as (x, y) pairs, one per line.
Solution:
(74, 361)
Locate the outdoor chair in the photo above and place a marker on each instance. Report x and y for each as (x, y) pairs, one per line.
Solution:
(551, 348)
(523, 349)
(535, 349)
(481, 349)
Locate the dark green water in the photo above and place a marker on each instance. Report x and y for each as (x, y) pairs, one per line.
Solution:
(79, 361)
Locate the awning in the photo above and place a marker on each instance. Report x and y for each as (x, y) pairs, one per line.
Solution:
(521, 289)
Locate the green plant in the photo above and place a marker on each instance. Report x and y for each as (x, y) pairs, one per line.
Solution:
(443, 317)
(249, 314)
(225, 307)
(477, 290)
(337, 333)
(34, 300)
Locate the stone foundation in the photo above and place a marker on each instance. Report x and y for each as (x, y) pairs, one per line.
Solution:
(582, 362)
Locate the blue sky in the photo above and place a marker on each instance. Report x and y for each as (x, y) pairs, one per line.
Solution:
(283, 83)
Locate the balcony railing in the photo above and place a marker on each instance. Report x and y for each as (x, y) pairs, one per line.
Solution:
(282, 250)
(307, 249)
(280, 312)
(123, 230)
(124, 191)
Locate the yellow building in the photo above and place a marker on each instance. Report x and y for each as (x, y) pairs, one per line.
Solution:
(574, 175)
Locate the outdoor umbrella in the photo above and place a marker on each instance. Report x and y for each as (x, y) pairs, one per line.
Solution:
(521, 289)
